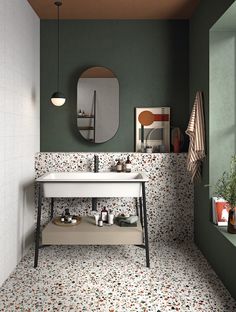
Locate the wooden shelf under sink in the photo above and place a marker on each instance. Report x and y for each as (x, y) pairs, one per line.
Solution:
(87, 233)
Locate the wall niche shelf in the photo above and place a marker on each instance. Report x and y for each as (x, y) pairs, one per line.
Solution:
(230, 237)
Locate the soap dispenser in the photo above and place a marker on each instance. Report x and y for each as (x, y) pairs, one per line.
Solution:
(128, 165)
(119, 166)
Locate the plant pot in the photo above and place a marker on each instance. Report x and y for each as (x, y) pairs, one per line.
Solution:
(232, 221)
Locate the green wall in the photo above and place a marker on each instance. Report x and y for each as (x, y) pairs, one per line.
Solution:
(221, 102)
(219, 251)
(150, 59)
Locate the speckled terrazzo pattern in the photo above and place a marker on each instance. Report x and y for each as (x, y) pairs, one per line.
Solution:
(114, 279)
(169, 191)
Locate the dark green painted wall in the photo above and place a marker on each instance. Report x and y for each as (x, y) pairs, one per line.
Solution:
(217, 249)
(150, 59)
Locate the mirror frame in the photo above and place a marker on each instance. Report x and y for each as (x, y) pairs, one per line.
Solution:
(98, 72)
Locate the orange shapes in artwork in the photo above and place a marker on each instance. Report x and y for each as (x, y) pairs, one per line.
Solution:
(146, 118)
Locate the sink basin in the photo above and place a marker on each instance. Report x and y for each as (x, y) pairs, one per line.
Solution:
(93, 176)
(92, 184)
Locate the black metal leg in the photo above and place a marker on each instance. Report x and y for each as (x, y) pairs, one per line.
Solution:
(38, 227)
(94, 204)
(141, 210)
(145, 225)
(52, 208)
(136, 206)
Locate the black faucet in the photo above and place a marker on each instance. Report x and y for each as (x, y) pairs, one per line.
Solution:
(96, 163)
(96, 169)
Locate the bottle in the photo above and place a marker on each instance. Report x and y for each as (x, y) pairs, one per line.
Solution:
(119, 166)
(68, 216)
(128, 165)
(62, 217)
(96, 217)
(104, 215)
(110, 218)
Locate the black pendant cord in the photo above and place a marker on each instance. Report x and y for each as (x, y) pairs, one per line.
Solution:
(58, 46)
(58, 98)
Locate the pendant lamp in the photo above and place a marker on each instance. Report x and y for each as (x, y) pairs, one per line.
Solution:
(58, 98)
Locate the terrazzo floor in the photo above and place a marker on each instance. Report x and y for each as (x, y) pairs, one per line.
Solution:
(115, 279)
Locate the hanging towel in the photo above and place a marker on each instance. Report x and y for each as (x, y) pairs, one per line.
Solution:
(196, 133)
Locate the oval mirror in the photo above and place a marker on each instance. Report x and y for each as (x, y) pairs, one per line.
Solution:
(98, 104)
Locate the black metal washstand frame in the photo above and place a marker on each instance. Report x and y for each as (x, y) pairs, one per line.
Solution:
(141, 210)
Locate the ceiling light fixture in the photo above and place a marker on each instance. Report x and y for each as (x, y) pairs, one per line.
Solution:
(58, 98)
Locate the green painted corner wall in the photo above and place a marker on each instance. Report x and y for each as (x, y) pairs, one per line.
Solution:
(150, 59)
(217, 249)
(221, 102)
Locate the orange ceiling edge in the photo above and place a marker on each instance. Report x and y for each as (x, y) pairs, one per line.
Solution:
(116, 9)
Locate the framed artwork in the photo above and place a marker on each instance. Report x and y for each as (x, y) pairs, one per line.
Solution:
(152, 129)
(220, 211)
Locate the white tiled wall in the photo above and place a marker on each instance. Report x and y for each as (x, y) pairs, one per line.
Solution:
(19, 128)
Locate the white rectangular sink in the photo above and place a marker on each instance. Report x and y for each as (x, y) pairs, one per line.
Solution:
(92, 184)
(92, 176)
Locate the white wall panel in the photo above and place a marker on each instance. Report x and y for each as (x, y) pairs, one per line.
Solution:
(19, 128)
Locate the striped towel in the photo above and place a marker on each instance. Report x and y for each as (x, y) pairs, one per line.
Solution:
(196, 133)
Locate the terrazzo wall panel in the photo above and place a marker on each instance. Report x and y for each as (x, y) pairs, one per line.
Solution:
(169, 191)
(19, 128)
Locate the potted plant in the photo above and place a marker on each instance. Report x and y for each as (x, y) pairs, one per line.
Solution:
(226, 188)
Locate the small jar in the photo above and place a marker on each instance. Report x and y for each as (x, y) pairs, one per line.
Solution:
(100, 223)
(69, 218)
(110, 218)
(162, 148)
(149, 149)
